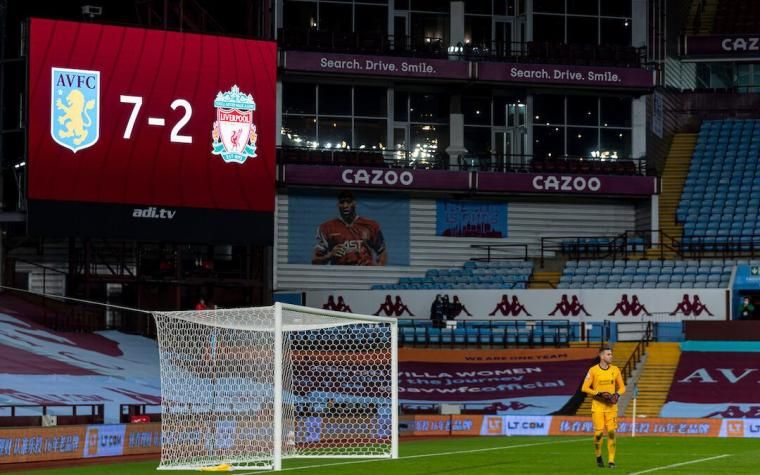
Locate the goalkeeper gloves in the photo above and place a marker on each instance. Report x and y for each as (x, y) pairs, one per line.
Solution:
(603, 397)
(607, 398)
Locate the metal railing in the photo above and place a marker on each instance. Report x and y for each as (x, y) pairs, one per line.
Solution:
(485, 162)
(487, 333)
(501, 252)
(378, 42)
(31, 414)
(638, 352)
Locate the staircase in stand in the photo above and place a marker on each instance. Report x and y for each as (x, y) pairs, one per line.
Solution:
(656, 378)
(673, 179)
(544, 280)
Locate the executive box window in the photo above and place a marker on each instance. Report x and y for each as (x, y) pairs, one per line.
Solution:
(425, 118)
(582, 126)
(334, 116)
(361, 16)
(299, 15)
(594, 22)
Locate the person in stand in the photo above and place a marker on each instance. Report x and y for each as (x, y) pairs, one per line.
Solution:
(747, 309)
(436, 311)
(201, 305)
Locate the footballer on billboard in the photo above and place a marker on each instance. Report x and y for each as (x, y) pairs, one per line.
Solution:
(150, 134)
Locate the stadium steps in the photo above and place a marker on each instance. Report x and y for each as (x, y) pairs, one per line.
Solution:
(621, 351)
(673, 180)
(540, 279)
(656, 378)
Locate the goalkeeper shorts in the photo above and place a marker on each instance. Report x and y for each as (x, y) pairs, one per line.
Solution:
(604, 420)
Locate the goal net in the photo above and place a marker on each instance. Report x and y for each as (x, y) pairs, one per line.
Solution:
(245, 388)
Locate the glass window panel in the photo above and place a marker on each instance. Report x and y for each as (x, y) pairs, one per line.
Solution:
(428, 139)
(583, 7)
(476, 110)
(477, 140)
(429, 108)
(299, 15)
(549, 6)
(548, 141)
(401, 106)
(370, 101)
(548, 109)
(299, 131)
(334, 99)
(335, 17)
(370, 134)
(582, 142)
(582, 30)
(582, 110)
(334, 132)
(616, 111)
(549, 28)
(615, 143)
(615, 31)
(401, 4)
(482, 7)
(616, 8)
(430, 6)
(477, 31)
(371, 19)
(299, 98)
(500, 110)
(500, 7)
(430, 26)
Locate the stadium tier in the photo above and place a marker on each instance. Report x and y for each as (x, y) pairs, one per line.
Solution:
(473, 275)
(721, 197)
(648, 274)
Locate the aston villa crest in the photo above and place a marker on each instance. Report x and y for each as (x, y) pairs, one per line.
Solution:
(75, 108)
(234, 133)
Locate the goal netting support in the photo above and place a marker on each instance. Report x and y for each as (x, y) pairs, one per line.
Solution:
(246, 388)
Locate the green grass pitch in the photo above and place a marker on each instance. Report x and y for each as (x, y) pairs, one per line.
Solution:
(519, 455)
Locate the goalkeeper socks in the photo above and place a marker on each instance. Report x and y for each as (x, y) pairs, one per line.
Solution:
(611, 446)
(598, 444)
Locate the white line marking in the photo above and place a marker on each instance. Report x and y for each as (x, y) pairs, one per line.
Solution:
(437, 454)
(682, 464)
(156, 121)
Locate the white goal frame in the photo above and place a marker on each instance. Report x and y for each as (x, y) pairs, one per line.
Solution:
(234, 320)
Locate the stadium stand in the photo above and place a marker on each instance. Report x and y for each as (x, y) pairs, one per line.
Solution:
(719, 205)
(473, 275)
(647, 274)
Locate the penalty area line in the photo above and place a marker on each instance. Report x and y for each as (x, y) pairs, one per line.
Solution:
(656, 469)
(419, 456)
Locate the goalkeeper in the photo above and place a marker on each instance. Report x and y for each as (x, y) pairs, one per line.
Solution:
(605, 384)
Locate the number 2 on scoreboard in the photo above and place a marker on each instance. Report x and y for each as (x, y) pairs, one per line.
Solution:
(175, 136)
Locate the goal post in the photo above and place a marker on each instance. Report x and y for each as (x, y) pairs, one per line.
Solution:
(246, 388)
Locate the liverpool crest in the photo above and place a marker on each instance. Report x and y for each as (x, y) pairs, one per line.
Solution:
(75, 108)
(234, 133)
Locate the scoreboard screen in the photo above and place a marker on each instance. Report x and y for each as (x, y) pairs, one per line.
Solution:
(149, 134)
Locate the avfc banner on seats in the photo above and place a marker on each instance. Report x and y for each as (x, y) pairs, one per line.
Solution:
(592, 305)
(715, 384)
(529, 382)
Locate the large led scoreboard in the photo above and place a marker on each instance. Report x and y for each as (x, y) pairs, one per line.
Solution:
(149, 134)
